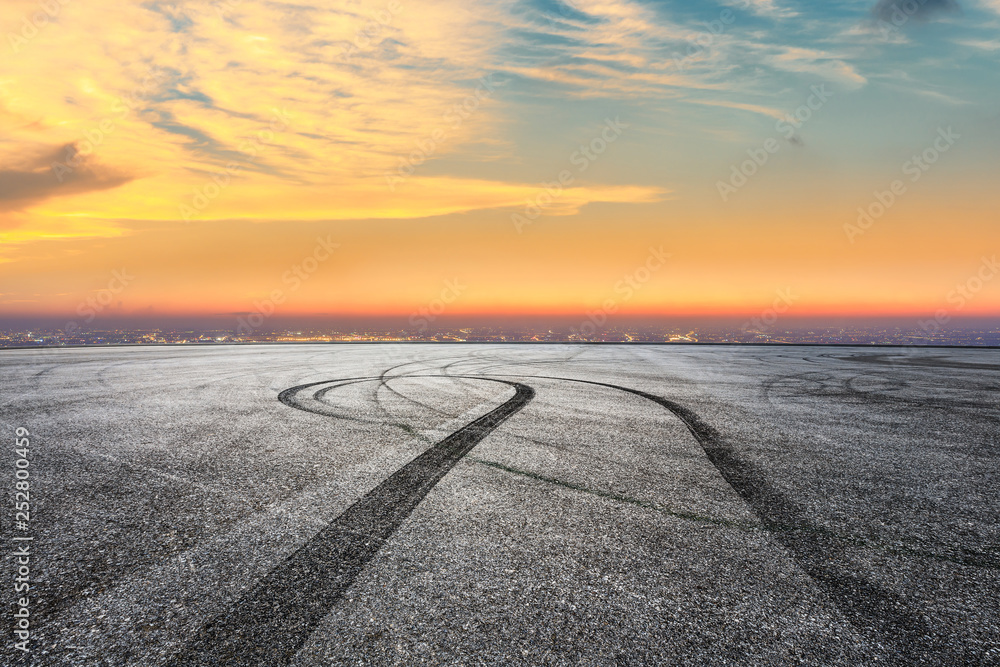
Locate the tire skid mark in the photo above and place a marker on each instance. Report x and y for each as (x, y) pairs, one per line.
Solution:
(816, 384)
(289, 604)
(384, 384)
(269, 624)
(926, 361)
(819, 553)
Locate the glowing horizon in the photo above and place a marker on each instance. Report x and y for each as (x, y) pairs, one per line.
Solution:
(528, 159)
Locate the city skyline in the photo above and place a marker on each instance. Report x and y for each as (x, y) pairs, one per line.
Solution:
(756, 331)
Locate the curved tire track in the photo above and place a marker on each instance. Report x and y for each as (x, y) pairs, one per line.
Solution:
(821, 554)
(290, 603)
(269, 624)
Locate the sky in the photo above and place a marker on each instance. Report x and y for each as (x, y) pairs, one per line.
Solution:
(538, 157)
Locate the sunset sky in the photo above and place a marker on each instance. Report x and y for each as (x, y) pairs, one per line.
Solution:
(524, 158)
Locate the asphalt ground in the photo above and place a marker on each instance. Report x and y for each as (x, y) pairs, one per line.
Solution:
(490, 504)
